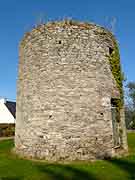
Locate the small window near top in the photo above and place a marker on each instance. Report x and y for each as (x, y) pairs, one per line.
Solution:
(110, 50)
(59, 42)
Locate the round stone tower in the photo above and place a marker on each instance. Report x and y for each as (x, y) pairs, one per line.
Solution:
(69, 94)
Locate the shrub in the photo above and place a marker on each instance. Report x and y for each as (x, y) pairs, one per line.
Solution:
(7, 130)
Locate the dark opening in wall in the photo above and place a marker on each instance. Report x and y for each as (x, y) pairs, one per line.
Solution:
(114, 102)
(116, 122)
(110, 50)
(60, 42)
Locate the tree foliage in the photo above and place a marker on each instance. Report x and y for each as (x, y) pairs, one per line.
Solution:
(130, 106)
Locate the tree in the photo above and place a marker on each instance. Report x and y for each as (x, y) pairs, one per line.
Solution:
(130, 106)
(131, 88)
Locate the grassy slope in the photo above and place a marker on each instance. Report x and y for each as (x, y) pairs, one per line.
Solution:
(14, 168)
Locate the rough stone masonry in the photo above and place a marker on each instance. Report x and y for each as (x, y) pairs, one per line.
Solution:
(65, 92)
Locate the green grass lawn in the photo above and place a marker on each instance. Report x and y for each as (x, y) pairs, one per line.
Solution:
(14, 168)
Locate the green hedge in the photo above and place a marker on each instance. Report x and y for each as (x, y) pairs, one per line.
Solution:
(7, 130)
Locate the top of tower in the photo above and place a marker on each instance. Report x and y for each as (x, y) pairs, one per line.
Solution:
(68, 24)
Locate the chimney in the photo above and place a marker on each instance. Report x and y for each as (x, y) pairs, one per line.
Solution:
(3, 100)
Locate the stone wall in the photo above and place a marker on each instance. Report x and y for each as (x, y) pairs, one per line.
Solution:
(64, 93)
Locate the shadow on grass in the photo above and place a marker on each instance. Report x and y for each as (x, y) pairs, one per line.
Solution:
(126, 165)
(11, 178)
(65, 172)
(68, 172)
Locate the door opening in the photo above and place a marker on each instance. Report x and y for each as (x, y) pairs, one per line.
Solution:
(116, 122)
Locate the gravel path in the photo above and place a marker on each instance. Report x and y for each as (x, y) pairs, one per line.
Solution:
(6, 138)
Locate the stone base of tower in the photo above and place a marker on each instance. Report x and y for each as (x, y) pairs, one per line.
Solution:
(72, 150)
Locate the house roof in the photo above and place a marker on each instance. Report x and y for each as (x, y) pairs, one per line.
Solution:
(11, 107)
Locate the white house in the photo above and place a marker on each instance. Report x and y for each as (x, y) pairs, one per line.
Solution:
(7, 111)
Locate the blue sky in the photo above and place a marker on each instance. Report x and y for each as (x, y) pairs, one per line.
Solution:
(18, 17)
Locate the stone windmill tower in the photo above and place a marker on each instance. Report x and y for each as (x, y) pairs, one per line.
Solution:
(69, 94)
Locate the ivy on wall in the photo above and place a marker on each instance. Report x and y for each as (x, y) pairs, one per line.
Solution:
(114, 60)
